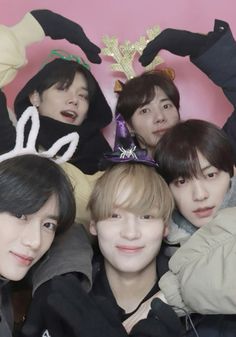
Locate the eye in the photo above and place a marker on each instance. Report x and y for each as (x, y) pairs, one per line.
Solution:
(20, 216)
(50, 226)
(144, 110)
(211, 175)
(167, 106)
(146, 217)
(83, 97)
(115, 216)
(180, 182)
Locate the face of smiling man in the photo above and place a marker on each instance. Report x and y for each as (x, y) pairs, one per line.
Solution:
(24, 239)
(67, 105)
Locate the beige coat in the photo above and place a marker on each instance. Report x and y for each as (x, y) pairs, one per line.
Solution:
(202, 276)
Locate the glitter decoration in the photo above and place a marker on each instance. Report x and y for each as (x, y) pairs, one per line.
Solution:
(124, 54)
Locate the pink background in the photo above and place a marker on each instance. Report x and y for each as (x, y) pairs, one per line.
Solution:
(128, 20)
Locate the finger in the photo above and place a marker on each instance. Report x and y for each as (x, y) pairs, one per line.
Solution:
(93, 56)
(165, 314)
(149, 53)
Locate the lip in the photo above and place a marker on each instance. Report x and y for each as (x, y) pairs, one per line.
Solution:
(204, 212)
(160, 131)
(129, 249)
(70, 115)
(23, 259)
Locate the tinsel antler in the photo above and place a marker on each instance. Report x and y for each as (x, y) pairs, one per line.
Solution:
(124, 54)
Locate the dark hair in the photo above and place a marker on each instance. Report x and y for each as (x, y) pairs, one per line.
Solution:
(28, 181)
(58, 71)
(176, 152)
(63, 73)
(140, 90)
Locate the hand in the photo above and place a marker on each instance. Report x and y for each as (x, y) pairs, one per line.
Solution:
(79, 313)
(59, 27)
(179, 42)
(160, 322)
(40, 318)
(140, 314)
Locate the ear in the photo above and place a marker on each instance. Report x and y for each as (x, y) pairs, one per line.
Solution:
(165, 231)
(34, 98)
(93, 228)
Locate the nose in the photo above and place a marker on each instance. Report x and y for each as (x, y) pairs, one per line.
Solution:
(32, 235)
(130, 230)
(72, 98)
(199, 190)
(159, 116)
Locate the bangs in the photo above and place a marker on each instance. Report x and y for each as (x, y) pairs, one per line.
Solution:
(137, 189)
(186, 165)
(147, 95)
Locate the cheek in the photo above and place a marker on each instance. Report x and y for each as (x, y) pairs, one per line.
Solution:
(138, 122)
(174, 116)
(181, 198)
(47, 241)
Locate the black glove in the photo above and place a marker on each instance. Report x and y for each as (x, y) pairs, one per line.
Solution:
(58, 27)
(181, 42)
(40, 318)
(162, 321)
(79, 313)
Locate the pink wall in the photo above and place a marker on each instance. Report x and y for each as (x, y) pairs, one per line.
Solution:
(129, 19)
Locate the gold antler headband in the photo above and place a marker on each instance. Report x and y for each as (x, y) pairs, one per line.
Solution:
(124, 54)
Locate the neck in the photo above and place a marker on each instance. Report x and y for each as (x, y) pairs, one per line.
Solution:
(130, 289)
(150, 150)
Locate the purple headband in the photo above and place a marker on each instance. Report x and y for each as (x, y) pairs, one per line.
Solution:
(125, 150)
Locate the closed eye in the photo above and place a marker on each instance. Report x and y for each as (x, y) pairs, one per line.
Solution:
(84, 96)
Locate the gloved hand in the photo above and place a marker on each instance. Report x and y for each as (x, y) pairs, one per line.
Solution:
(40, 318)
(162, 321)
(67, 310)
(181, 42)
(59, 27)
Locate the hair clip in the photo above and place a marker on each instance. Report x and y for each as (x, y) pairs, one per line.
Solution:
(71, 139)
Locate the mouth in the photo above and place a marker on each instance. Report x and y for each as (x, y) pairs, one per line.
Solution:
(24, 260)
(204, 212)
(69, 115)
(129, 249)
(160, 132)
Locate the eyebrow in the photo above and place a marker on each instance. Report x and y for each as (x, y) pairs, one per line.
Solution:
(84, 88)
(165, 99)
(206, 167)
(53, 217)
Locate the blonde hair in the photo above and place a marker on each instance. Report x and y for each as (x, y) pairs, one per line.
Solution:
(146, 191)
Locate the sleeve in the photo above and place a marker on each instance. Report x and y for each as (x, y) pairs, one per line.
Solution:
(83, 185)
(218, 61)
(219, 64)
(204, 268)
(12, 57)
(13, 43)
(70, 252)
(170, 287)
